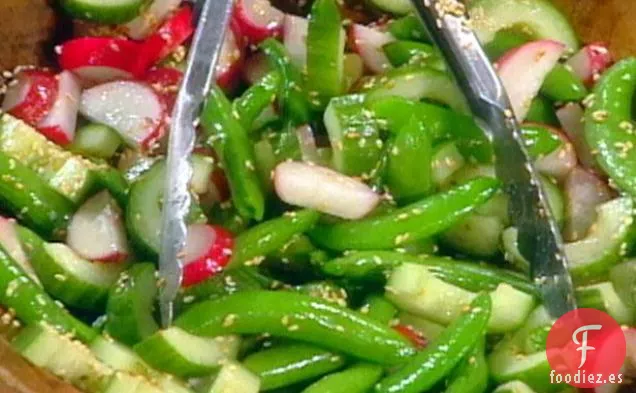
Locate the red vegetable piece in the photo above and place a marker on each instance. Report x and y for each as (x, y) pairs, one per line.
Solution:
(165, 81)
(208, 250)
(59, 124)
(590, 62)
(31, 96)
(412, 335)
(100, 59)
(258, 20)
(229, 65)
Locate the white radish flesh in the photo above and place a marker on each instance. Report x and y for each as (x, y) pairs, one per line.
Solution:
(140, 27)
(368, 43)
(323, 189)
(523, 70)
(590, 62)
(257, 19)
(295, 39)
(97, 232)
(307, 143)
(571, 118)
(584, 192)
(11, 244)
(59, 125)
(228, 68)
(133, 109)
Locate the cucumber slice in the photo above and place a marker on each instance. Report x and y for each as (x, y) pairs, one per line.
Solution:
(475, 235)
(171, 385)
(396, 7)
(623, 278)
(65, 358)
(235, 378)
(69, 174)
(67, 277)
(182, 354)
(415, 83)
(603, 297)
(104, 11)
(414, 289)
(119, 357)
(537, 18)
(354, 136)
(555, 199)
(447, 160)
(130, 305)
(607, 242)
(122, 383)
(511, 249)
(96, 140)
(202, 167)
(514, 387)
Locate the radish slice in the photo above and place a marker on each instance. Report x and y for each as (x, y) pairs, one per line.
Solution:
(59, 124)
(31, 96)
(208, 249)
(173, 33)
(571, 118)
(583, 191)
(97, 232)
(307, 142)
(140, 27)
(100, 59)
(590, 62)
(258, 19)
(133, 109)
(256, 67)
(295, 39)
(323, 189)
(523, 70)
(560, 162)
(228, 68)
(368, 43)
(165, 81)
(11, 245)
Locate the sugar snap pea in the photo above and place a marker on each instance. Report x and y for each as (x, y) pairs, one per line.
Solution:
(356, 379)
(249, 106)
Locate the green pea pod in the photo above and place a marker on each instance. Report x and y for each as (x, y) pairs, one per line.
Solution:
(609, 130)
(542, 111)
(288, 364)
(292, 99)
(325, 53)
(539, 140)
(299, 317)
(356, 379)
(33, 305)
(409, 27)
(471, 375)
(378, 308)
(409, 224)
(249, 106)
(251, 246)
(503, 41)
(435, 362)
(443, 124)
(232, 145)
(403, 52)
(409, 164)
(354, 136)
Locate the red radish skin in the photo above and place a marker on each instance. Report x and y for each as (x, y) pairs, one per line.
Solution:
(295, 39)
(133, 109)
(170, 35)
(522, 71)
(165, 81)
(59, 125)
(228, 69)
(100, 59)
(368, 43)
(208, 251)
(590, 62)
(414, 336)
(31, 96)
(256, 67)
(323, 189)
(571, 118)
(151, 18)
(560, 162)
(96, 231)
(584, 192)
(258, 20)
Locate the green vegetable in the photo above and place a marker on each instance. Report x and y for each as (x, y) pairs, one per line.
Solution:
(409, 224)
(471, 375)
(232, 145)
(378, 308)
(299, 317)
(96, 140)
(404, 52)
(356, 379)
(437, 360)
(256, 99)
(409, 27)
(104, 11)
(542, 111)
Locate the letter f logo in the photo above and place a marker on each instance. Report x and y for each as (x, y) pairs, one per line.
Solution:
(583, 347)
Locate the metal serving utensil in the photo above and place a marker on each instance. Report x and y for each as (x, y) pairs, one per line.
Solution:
(539, 238)
(213, 17)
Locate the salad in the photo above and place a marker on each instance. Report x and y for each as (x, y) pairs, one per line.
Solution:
(348, 233)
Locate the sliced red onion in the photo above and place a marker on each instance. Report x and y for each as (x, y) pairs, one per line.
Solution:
(368, 43)
(571, 118)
